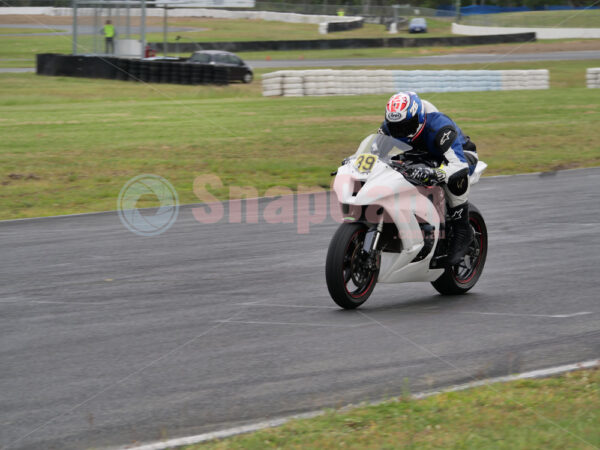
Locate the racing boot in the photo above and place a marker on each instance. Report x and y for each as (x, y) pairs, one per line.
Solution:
(462, 233)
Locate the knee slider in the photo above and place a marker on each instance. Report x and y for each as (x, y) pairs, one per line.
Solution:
(458, 183)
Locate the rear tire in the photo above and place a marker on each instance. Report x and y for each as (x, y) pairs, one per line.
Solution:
(348, 283)
(459, 279)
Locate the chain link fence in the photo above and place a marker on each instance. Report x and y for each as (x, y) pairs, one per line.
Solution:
(366, 10)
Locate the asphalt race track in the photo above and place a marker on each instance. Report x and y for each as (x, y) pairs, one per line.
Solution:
(108, 338)
(461, 58)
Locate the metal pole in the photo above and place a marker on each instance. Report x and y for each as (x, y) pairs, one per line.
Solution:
(128, 22)
(457, 11)
(117, 28)
(74, 27)
(165, 30)
(96, 29)
(143, 29)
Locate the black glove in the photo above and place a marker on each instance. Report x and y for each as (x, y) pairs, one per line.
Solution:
(426, 175)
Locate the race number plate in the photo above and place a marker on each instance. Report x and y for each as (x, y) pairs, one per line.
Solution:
(365, 163)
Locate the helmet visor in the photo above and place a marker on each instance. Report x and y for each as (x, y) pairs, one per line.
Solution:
(404, 128)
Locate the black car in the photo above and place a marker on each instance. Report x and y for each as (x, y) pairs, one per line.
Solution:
(238, 70)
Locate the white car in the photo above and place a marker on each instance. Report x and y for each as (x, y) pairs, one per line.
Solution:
(417, 25)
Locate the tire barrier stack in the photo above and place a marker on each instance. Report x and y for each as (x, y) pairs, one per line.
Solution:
(593, 77)
(297, 83)
(175, 72)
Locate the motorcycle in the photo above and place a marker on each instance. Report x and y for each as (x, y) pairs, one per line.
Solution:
(394, 228)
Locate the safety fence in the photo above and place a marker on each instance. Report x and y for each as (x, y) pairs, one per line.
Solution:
(593, 77)
(175, 72)
(297, 83)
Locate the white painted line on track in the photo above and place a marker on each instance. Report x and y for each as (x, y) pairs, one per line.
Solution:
(189, 440)
(540, 373)
(484, 313)
(50, 302)
(287, 306)
(551, 316)
(308, 324)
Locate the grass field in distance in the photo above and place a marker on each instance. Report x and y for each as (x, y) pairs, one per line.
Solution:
(70, 144)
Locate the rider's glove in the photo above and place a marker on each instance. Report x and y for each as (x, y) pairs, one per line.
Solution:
(426, 175)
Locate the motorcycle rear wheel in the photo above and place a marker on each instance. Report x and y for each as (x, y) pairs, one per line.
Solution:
(349, 283)
(462, 277)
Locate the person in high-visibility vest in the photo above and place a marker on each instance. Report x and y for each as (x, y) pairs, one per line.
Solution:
(109, 35)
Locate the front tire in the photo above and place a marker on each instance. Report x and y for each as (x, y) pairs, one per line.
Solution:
(460, 278)
(248, 77)
(349, 282)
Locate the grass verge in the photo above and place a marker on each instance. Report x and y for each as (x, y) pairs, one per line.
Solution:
(70, 144)
(200, 30)
(6, 30)
(553, 413)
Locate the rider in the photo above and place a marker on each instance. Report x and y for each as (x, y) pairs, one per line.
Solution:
(419, 124)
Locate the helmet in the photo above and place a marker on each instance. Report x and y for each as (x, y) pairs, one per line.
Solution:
(405, 115)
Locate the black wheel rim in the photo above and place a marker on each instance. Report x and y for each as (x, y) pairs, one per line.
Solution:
(466, 270)
(358, 279)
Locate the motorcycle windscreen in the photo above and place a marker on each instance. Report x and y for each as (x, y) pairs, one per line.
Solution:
(382, 146)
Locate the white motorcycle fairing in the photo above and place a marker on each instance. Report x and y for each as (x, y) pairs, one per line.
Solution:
(382, 186)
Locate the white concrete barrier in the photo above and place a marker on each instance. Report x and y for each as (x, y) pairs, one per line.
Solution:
(186, 12)
(541, 33)
(356, 82)
(592, 77)
(128, 47)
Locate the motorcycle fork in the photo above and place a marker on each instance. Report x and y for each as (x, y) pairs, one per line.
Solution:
(370, 244)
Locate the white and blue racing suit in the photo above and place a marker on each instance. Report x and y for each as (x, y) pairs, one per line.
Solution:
(445, 142)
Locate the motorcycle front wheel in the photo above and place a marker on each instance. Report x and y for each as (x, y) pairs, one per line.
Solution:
(349, 281)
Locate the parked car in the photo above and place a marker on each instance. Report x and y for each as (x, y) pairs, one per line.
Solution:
(238, 70)
(417, 25)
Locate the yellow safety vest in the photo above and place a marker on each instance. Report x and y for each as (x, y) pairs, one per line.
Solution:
(109, 31)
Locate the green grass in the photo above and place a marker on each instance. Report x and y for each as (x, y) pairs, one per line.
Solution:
(21, 51)
(26, 47)
(70, 144)
(554, 413)
(5, 30)
(554, 19)
(17, 63)
(226, 30)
